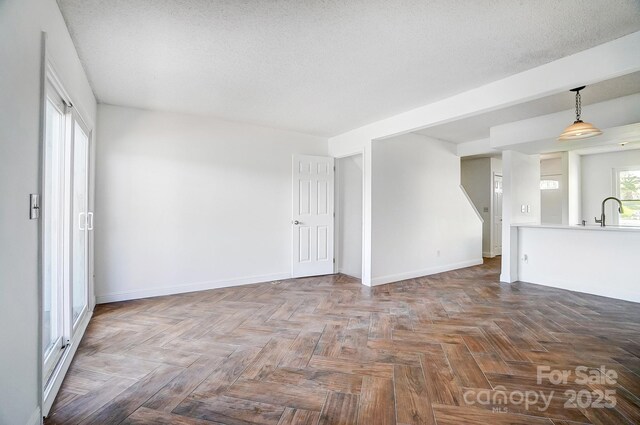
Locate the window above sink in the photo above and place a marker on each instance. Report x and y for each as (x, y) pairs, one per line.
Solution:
(627, 188)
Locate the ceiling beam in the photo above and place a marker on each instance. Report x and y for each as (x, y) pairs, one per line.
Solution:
(609, 60)
(608, 114)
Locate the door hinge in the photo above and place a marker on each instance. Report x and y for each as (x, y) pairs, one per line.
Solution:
(334, 261)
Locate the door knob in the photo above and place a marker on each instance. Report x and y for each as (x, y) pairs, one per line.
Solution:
(296, 222)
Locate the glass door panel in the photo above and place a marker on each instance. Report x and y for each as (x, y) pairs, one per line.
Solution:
(81, 220)
(53, 223)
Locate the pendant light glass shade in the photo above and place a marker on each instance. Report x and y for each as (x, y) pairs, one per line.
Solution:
(579, 129)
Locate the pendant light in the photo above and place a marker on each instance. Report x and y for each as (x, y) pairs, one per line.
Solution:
(579, 129)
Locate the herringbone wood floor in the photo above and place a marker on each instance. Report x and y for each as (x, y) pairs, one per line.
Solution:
(327, 350)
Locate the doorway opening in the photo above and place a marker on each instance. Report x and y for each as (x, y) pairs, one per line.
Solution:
(349, 210)
(496, 216)
(553, 207)
(481, 178)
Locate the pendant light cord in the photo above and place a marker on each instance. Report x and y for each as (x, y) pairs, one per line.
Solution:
(578, 105)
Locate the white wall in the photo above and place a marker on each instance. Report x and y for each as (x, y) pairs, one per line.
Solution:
(551, 166)
(349, 215)
(587, 260)
(21, 23)
(521, 173)
(597, 181)
(187, 203)
(521, 187)
(496, 165)
(422, 223)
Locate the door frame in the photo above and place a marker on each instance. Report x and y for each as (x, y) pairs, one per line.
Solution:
(337, 206)
(49, 385)
(492, 217)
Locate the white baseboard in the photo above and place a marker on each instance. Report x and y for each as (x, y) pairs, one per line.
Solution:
(488, 254)
(504, 278)
(190, 287)
(348, 273)
(578, 287)
(36, 417)
(351, 275)
(381, 280)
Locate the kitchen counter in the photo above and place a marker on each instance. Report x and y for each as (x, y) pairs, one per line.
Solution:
(592, 259)
(597, 227)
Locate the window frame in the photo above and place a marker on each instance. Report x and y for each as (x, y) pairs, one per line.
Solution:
(616, 190)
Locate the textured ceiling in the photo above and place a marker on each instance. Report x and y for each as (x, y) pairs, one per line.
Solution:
(323, 66)
(477, 127)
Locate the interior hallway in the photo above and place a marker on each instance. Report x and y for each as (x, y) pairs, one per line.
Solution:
(329, 350)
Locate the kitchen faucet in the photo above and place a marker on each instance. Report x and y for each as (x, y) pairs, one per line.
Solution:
(602, 217)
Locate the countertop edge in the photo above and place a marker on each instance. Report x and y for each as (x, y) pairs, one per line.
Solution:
(578, 227)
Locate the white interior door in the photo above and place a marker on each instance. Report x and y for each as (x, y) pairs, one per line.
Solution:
(313, 215)
(497, 214)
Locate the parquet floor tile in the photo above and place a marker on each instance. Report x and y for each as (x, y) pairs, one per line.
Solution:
(448, 349)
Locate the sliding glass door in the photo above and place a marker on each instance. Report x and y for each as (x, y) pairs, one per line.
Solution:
(66, 223)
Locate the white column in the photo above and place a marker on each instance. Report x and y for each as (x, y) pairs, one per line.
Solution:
(520, 204)
(574, 180)
(366, 213)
